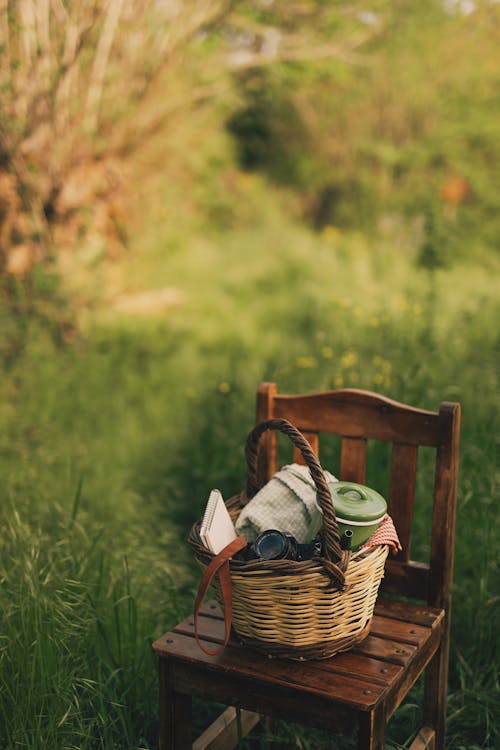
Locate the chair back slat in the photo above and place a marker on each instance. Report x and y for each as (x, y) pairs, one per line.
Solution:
(357, 416)
(356, 413)
(268, 443)
(401, 493)
(444, 510)
(353, 460)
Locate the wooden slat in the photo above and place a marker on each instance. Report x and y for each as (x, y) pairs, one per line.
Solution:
(348, 663)
(227, 730)
(396, 630)
(268, 444)
(313, 440)
(401, 493)
(209, 629)
(353, 460)
(361, 666)
(420, 614)
(425, 740)
(386, 650)
(359, 414)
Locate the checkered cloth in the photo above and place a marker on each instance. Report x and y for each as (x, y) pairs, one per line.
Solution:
(286, 503)
(385, 534)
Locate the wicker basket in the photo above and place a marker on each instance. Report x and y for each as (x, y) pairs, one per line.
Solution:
(299, 610)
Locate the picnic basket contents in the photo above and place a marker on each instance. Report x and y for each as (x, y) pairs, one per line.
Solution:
(305, 598)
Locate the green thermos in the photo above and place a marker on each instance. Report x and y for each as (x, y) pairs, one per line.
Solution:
(359, 511)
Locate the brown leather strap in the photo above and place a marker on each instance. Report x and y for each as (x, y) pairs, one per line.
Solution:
(219, 564)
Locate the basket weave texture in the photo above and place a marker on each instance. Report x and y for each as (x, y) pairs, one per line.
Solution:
(310, 609)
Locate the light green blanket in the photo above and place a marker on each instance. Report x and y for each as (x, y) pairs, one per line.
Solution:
(286, 503)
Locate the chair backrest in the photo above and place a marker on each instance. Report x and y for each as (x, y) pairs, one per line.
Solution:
(358, 416)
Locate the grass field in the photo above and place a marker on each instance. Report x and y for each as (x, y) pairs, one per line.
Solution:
(109, 447)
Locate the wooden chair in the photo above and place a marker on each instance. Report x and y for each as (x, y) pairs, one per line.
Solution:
(359, 689)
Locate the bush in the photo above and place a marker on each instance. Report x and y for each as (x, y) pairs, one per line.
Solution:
(77, 94)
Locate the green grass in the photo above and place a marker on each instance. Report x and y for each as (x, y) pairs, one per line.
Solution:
(109, 447)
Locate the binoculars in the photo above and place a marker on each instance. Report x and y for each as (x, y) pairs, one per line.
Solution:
(278, 545)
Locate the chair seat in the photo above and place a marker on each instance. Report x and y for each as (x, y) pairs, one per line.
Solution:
(403, 638)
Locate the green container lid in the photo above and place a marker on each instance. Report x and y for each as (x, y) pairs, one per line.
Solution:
(355, 502)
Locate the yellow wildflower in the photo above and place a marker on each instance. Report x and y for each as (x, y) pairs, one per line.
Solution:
(305, 363)
(329, 232)
(349, 359)
(327, 352)
(224, 387)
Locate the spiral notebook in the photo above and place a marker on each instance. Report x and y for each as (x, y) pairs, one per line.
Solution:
(216, 530)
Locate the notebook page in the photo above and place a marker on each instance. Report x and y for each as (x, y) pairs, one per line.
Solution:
(217, 530)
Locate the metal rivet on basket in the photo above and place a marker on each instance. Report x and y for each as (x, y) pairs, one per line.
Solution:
(191, 622)
(400, 651)
(367, 692)
(169, 640)
(384, 670)
(413, 632)
(213, 606)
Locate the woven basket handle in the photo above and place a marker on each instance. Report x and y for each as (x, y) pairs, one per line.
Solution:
(330, 527)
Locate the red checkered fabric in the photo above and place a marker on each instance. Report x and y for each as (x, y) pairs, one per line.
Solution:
(385, 534)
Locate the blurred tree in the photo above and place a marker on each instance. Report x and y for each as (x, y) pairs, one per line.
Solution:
(75, 77)
(84, 84)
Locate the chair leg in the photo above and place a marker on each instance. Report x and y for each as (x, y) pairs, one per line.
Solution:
(371, 730)
(174, 712)
(435, 690)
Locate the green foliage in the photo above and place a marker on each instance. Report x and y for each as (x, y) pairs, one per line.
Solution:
(75, 658)
(109, 447)
(389, 132)
(269, 132)
(29, 308)
(386, 144)
(434, 251)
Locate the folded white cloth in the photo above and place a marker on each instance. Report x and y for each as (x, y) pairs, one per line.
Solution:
(286, 503)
